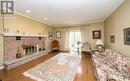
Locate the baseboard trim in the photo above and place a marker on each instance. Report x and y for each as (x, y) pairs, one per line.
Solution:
(2, 67)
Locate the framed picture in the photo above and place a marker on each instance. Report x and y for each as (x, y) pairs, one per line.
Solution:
(112, 39)
(50, 35)
(127, 36)
(97, 34)
(58, 34)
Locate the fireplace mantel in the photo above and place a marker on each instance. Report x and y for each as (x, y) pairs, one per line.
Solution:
(22, 35)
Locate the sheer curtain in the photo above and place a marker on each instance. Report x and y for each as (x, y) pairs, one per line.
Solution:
(66, 33)
(66, 37)
(83, 34)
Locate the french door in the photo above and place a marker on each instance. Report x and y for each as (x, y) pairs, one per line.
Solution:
(74, 37)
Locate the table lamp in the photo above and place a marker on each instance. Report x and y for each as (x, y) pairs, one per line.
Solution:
(99, 45)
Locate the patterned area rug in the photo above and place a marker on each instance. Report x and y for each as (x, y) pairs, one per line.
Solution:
(61, 67)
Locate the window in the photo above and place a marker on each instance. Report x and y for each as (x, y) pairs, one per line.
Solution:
(74, 37)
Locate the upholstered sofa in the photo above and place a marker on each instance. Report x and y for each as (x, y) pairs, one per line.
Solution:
(111, 65)
(86, 47)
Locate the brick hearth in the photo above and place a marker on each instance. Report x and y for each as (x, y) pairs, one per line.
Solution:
(11, 45)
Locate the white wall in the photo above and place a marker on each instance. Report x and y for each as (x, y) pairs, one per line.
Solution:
(114, 25)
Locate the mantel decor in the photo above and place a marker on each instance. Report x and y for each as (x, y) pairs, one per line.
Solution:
(20, 34)
(127, 36)
(97, 34)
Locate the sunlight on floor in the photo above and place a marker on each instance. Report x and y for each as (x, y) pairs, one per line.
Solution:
(79, 70)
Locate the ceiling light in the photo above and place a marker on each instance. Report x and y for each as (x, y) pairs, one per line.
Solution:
(45, 18)
(28, 11)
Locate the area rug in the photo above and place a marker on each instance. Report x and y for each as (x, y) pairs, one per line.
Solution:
(61, 67)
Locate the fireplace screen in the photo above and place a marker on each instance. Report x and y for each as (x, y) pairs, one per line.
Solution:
(29, 49)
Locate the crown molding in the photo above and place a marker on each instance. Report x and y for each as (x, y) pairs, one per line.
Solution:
(33, 19)
(74, 25)
(80, 25)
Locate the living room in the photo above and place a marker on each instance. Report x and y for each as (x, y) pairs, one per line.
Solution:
(93, 33)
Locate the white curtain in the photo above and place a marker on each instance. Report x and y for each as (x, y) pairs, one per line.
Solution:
(66, 41)
(83, 34)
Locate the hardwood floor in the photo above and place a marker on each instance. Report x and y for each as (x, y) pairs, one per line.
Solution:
(84, 73)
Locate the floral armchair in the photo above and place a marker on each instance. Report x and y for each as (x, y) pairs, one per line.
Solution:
(86, 47)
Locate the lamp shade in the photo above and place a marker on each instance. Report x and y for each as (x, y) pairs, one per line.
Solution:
(99, 42)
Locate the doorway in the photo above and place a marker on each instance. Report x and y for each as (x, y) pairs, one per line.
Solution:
(75, 36)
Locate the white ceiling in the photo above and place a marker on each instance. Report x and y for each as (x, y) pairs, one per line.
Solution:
(67, 12)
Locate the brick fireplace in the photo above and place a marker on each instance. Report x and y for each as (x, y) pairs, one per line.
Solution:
(22, 46)
(19, 49)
